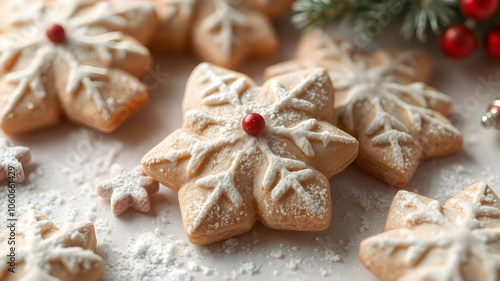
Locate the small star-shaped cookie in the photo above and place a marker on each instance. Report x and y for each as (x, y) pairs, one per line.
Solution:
(247, 153)
(45, 252)
(383, 101)
(77, 58)
(426, 241)
(12, 159)
(128, 189)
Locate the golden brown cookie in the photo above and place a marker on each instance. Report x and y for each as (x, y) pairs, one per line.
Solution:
(383, 101)
(426, 241)
(77, 58)
(224, 32)
(175, 23)
(247, 153)
(35, 249)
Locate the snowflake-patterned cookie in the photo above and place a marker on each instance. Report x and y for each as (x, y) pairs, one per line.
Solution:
(224, 32)
(248, 153)
(459, 241)
(72, 57)
(174, 31)
(12, 160)
(44, 252)
(128, 189)
(382, 100)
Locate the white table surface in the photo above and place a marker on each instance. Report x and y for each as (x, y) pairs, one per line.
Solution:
(68, 160)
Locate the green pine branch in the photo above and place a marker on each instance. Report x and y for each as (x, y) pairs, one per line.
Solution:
(428, 14)
(315, 13)
(371, 17)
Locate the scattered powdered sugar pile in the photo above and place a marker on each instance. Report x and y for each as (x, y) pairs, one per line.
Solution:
(147, 258)
(328, 246)
(150, 257)
(85, 162)
(248, 268)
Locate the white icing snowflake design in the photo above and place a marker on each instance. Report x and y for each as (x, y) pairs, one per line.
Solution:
(96, 53)
(391, 108)
(468, 227)
(224, 19)
(213, 153)
(128, 189)
(12, 159)
(48, 253)
(378, 85)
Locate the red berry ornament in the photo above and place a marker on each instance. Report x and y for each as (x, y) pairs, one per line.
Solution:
(253, 124)
(492, 42)
(458, 42)
(479, 9)
(55, 33)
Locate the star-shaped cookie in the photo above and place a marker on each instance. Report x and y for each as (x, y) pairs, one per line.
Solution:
(224, 32)
(128, 189)
(426, 241)
(12, 159)
(45, 252)
(382, 100)
(273, 167)
(78, 58)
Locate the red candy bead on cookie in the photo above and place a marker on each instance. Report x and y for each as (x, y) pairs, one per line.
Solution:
(253, 124)
(55, 33)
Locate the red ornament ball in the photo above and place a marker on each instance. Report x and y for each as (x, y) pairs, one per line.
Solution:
(55, 33)
(492, 42)
(479, 9)
(458, 42)
(253, 124)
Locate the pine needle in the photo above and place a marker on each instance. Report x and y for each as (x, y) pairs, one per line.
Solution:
(371, 17)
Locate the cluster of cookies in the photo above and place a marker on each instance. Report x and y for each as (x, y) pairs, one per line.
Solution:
(244, 152)
(82, 58)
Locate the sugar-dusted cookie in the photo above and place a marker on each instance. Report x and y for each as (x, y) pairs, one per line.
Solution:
(383, 101)
(41, 251)
(426, 241)
(128, 189)
(176, 21)
(224, 32)
(12, 159)
(247, 153)
(73, 58)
